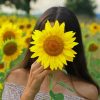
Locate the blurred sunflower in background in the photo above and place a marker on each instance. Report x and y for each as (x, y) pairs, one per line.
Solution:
(93, 47)
(9, 31)
(12, 18)
(94, 28)
(22, 25)
(11, 49)
(52, 46)
(26, 26)
(14, 30)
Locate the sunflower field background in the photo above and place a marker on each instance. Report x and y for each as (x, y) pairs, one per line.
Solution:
(15, 34)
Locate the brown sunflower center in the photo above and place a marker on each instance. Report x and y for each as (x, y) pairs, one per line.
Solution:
(95, 27)
(53, 45)
(10, 48)
(8, 35)
(1, 66)
(93, 47)
(28, 26)
(21, 26)
(28, 40)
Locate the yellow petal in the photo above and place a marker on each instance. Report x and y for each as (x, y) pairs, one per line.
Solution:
(71, 45)
(46, 63)
(68, 53)
(69, 34)
(69, 58)
(62, 28)
(34, 55)
(48, 26)
(62, 58)
(56, 26)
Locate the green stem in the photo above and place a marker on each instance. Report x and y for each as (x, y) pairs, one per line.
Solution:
(51, 77)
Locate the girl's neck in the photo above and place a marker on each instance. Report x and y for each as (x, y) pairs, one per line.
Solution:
(58, 76)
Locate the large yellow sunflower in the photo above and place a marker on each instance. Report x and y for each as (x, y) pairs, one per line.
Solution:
(8, 31)
(53, 46)
(11, 50)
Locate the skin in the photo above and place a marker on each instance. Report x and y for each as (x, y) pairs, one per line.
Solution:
(37, 80)
(36, 77)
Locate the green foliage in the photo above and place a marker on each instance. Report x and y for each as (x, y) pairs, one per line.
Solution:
(20, 4)
(81, 6)
(1, 56)
(2, 1)
(56, 96)
(1, 77)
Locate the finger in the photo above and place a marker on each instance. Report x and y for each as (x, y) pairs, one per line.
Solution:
(44, 73)
(35, 65)
(39, 70)
(36, 73)
(40, 77)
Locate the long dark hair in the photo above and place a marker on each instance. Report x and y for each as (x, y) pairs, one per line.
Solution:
(79, 67)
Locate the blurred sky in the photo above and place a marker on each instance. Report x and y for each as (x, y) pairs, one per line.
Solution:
(41, 5)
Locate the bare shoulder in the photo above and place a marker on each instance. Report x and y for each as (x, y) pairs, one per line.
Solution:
(87, 90)
(18, 76)
(90, 91)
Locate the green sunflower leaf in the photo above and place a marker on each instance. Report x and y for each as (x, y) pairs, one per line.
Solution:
(56, 96)
(63, 84)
